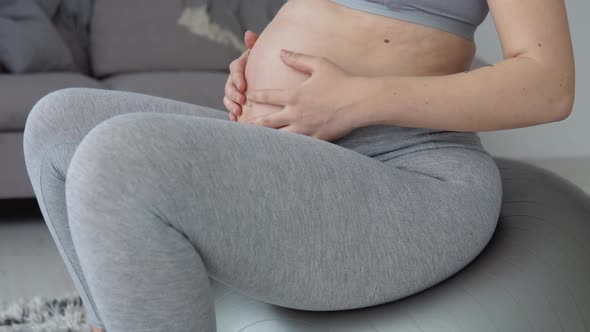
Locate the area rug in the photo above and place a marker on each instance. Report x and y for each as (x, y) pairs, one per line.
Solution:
(40, 314)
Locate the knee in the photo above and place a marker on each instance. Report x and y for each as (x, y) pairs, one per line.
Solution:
(105, 158)
(55, 111)
(110, 171)
(114, 158)
(50, 122)
(55, 108)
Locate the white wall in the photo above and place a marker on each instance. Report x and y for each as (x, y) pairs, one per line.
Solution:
(560, 146)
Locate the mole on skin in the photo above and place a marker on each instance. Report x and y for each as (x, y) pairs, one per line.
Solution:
(386, 40)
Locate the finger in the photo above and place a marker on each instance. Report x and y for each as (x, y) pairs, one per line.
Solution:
(302, 62)
(227, 104)
(271, 96)
(250, 38)
(227, 87)
(231, 106)
(233, 94)
(237, 69)
(273, 120)
(233, 117)
(236, 96)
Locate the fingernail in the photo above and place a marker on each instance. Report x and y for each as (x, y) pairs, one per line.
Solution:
(285, 52)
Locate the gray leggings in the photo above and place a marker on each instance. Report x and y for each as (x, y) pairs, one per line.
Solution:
(147, 197)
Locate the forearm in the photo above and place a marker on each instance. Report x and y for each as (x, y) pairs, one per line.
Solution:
(514, 93)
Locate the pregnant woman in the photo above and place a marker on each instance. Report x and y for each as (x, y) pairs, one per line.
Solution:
(347, 174)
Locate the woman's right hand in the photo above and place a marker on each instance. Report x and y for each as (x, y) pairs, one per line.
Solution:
(236, 82)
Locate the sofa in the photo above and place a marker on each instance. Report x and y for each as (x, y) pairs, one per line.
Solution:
(133, 45)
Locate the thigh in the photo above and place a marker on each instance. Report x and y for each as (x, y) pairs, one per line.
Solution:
(60, 120)
(473, 167)
(87, 107)
(283, 217)
(68, 114)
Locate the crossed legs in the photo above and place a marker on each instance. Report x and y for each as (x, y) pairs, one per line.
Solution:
(147, 197)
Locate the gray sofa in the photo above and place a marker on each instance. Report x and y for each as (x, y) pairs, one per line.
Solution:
(134, 45)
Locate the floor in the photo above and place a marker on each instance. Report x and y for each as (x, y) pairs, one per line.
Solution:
(30, 264)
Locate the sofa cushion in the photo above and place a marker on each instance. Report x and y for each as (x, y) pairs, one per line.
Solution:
(28, 40)
(19, 93)
(144, 35)
(201, 88)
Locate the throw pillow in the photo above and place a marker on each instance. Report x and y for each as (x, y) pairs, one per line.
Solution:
(226, 21)
(28, 40)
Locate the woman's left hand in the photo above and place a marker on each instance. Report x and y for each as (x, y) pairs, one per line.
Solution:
(319, 107)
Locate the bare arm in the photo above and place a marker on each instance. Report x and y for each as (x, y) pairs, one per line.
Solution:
(534, 84)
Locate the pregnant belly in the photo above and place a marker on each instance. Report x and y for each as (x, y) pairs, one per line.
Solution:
(361, 43)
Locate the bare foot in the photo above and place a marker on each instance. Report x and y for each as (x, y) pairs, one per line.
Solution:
(96, 329)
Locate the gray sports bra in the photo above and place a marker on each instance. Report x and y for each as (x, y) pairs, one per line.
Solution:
(461, 17)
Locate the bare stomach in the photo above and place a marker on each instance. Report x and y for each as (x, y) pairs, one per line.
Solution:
(359, 42)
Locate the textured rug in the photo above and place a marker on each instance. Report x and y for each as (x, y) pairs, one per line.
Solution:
(39, 314)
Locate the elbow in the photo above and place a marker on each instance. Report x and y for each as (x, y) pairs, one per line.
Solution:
(565, 95)
(564, 108)
(560, 104)
(557, 94)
